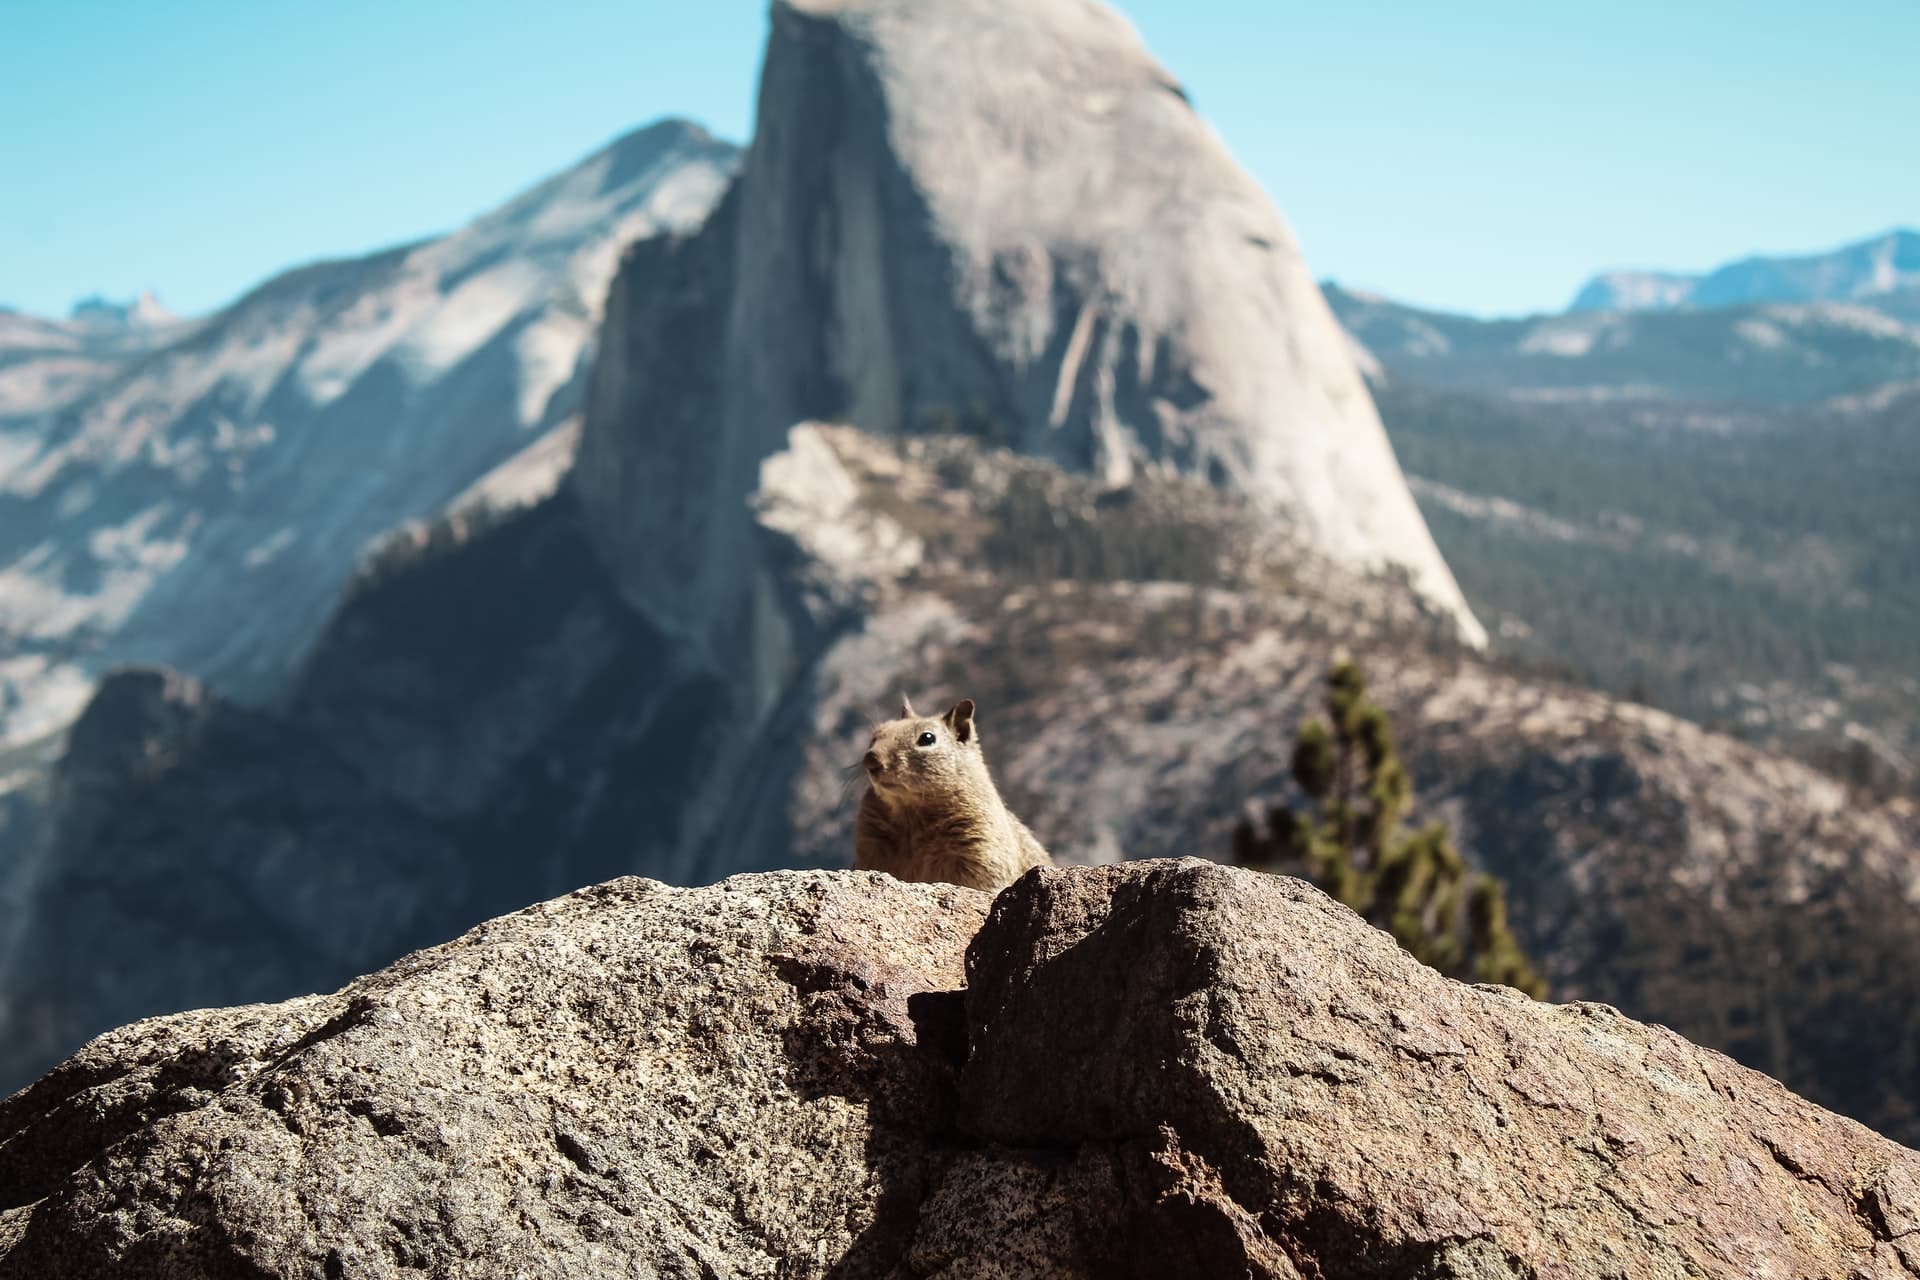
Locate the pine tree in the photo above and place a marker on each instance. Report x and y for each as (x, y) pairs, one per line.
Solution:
(1414, 884)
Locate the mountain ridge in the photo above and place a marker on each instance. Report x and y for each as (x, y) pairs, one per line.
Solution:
(143, 311)
(1761, 352)
(663, 637)
(212, 492)
(1857, 271)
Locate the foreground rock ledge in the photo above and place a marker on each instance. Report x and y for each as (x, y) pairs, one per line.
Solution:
(1154, 1069)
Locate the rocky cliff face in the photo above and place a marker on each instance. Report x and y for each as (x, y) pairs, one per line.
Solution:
(1119, 308)
(984, 215)
(1162, 1068)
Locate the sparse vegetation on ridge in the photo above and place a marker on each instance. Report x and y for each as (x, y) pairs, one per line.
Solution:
(1414, 884)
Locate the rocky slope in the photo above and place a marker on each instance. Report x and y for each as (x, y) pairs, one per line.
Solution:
(238, 854)
(1006, 214)
(1867, 270)
(1140, 659)
(1164, 1067)
(45, 364)
(197, 494)
(1686, 876)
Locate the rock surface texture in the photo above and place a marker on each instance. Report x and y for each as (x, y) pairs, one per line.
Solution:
(1163, 1068)
(999, 215)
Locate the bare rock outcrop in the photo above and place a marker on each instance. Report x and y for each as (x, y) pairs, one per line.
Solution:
(1166, 1067)
(1303, 1086)
(1004, 217)
(633, 1080)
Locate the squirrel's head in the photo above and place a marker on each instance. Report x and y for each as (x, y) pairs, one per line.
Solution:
(924, 755)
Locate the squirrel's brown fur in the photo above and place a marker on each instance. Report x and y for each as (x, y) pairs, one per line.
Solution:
(931, 811)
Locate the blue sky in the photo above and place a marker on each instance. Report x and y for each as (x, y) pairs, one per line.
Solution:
(1482, 156)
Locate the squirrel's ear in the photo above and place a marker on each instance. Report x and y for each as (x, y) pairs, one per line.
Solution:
(959, 718)
(906, 708)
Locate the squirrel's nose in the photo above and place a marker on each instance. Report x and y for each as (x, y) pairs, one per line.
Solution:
(873, 763)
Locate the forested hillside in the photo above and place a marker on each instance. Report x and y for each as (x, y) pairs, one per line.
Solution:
(1750, 561)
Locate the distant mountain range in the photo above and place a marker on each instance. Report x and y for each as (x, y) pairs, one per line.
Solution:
(197, 492)
(1709, 509)
(1869, 269)
(1758, 352)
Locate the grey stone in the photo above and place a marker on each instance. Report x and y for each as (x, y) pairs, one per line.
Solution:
(992, 212)
(1162, 1068)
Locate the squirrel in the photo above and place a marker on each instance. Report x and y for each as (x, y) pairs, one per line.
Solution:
(931, 811)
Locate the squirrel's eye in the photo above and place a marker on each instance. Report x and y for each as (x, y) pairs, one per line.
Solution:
(927, 739)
